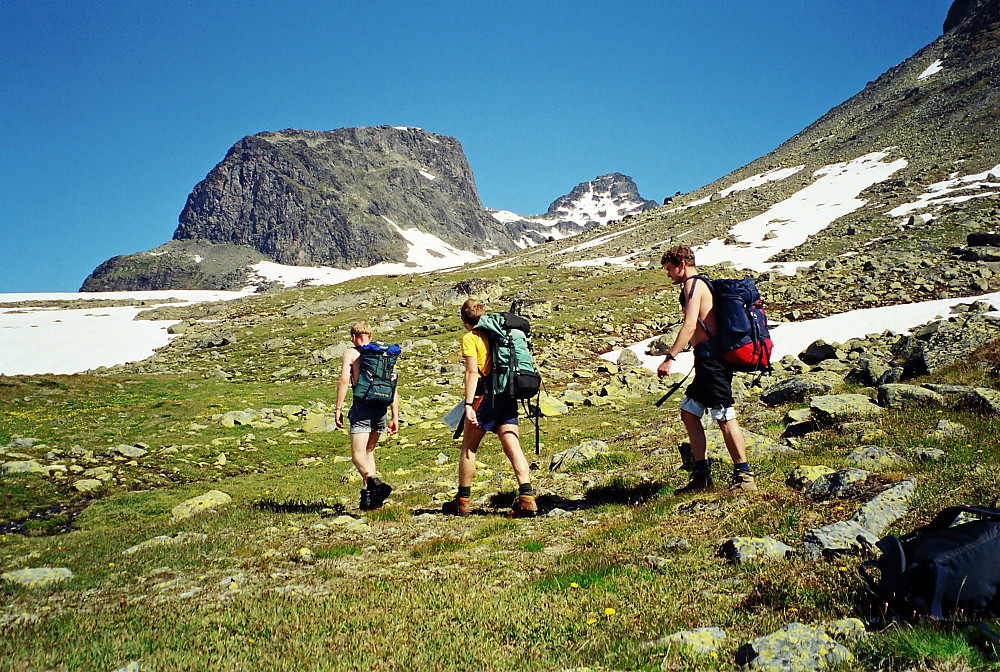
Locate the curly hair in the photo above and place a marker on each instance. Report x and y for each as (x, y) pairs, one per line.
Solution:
(676, 254)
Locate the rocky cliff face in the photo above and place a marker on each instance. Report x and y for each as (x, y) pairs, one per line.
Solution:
(593, 203)
(333, 198)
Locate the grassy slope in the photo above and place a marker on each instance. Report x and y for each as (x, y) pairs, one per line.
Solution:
(416, 591)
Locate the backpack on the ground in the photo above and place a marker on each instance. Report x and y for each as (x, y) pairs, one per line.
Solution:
(376, 378)
(514, 373)
(742, 339)
(940, 569)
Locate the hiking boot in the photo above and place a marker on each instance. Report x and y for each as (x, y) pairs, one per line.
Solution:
(524, 507)
(366, 503)
(742, 481)
(700, 480)
(378, 492)
(459, 506)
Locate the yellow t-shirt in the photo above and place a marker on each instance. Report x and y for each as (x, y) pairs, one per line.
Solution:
(474, 344)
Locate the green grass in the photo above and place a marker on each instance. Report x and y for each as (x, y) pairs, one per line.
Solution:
(423, 591)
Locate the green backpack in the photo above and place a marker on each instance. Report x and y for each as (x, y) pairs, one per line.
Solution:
(514, 372)
(376, 378)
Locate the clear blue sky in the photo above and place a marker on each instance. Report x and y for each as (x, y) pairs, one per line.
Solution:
(111, 112)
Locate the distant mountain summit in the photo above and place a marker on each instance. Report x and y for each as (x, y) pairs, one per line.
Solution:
(339, 198)
(396, 198)
(593, 203)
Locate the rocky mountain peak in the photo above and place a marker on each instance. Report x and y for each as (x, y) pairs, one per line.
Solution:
(613, 194)
(981, 13)
(596, 202)
(340, 197)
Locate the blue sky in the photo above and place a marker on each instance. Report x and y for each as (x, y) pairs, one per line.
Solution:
(111, 112)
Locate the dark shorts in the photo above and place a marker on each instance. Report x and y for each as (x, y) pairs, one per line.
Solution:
(495, 412)
(366, 418)
(712, 386)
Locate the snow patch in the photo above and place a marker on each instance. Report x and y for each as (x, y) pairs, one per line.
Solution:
(70, 340)
(425, 252)
(791, 222)
(426, 174)
(945, 191)
(934, 68)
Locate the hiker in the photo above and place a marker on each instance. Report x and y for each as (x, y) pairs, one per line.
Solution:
(367, 421)
(487, 412)
(711, 390)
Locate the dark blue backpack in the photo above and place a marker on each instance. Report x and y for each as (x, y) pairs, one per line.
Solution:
(940, 569)
(742, 339)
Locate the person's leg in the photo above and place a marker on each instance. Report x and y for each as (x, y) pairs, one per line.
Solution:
(363, 453)
(701, 472)
(510, 441)
(472, 436)
(524, 506)
(735, 443)
(696, 435)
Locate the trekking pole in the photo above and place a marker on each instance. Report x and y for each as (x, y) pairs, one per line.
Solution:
(673, 388)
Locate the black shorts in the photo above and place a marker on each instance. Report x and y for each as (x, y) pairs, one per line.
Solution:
(712, 386)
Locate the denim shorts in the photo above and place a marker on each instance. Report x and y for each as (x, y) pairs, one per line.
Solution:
(367, 418)
(495, 412)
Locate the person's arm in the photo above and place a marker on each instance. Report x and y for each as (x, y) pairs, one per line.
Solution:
(394, 410)
(692, 308)
(343, 384)
(471, 382)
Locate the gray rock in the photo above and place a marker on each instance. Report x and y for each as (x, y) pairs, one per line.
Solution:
(88, 485)
(833, 409)
(842, 537)
(817, 352)
(798, 388)
(752, 549)
(874, 458)
(210, 500)
(36, 577)
(887, 507)
(23, 467)
(948, 429)
(803, 475)
(127, 451)
(578, 454)
(698, 640)
(982, 400)
(926, 453)
(317, 423)
(899, 395)
(794, 648)
(835, 484)
(628, 359)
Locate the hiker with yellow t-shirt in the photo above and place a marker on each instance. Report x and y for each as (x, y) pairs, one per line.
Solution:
(485, 412)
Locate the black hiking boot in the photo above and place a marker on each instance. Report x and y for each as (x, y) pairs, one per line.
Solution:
(700, 480)
(365, 503)
(378, 492)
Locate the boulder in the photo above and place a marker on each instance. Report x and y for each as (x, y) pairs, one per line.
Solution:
(982, 400)
(36, 577)
(210, 500)
(835, 483)
(316, 423)
(899, 395)
(818, 351)
(803, 475)
(577, 455)
(794, 647)
(836, 408)
(752, 549)
(697, 640)
(874, 458)
(23, 467)
(799, 388)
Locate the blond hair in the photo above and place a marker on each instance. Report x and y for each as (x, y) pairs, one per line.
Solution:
(360, 329)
